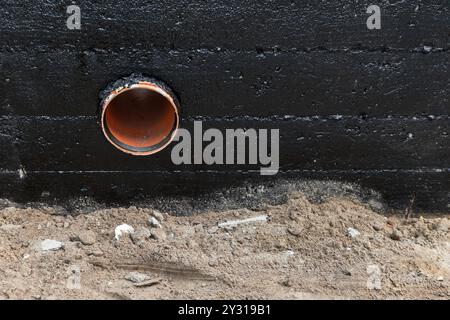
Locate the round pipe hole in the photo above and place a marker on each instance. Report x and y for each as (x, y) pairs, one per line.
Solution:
(141, 119)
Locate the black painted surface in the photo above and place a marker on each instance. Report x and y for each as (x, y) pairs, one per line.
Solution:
(231, 24)
(370, 106)
(67, 82)
(77, 144)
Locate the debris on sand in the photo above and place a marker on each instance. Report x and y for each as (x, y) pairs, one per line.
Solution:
(352, 232)
(136, 277)
(234, 223)
(140, 235)
(148, 283)
(122, 230)
(191, 257)
(158, 215)
(87, 238)
(50, 245)
(158, 234)
(295, 231)
(396, 235)
(153, 222)
(377, 226)
(213, 230)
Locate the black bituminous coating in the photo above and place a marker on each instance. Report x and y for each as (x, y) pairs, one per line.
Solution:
(366, 106)
(136, 78)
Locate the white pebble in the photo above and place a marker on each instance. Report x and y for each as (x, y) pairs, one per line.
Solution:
(136, 277)
(50, 245)
(123, 229)
(158, 215)
(353, 233)
(154, 222)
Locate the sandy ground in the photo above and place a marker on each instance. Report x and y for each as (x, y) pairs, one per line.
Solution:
(337, 248)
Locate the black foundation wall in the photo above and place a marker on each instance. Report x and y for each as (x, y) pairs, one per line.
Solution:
(351, 104)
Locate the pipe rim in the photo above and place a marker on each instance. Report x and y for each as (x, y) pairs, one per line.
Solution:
(140, 151)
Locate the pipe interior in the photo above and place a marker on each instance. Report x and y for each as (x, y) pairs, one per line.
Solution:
(140, 119)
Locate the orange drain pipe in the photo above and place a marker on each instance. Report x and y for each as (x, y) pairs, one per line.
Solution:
(139, 117)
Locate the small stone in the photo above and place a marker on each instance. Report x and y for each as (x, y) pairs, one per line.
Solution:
(293, 216)
(96, 253)
(213, 230)
(147, 283)
(87, 238)
(158, 234)
(158, 215)
(50, 245)
(287, 283)
(140, 235)
(440, 279)
(213, 262)
(347, 272)
(377, 226)
(375, 205)
(122, 230)
(153, 222)
(45, 194)
(421, 232)
(395, 235)
(137, 277)
(234, 223)
(229, 228)
(353, 233)
(198, 228)
(367, 245)
(296, 232)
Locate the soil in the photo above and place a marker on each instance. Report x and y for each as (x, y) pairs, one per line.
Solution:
(335, 248)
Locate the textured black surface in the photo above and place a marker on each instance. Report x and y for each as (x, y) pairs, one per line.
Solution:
(66, 82)
(231, 24)
(370, 106)
(76, 144)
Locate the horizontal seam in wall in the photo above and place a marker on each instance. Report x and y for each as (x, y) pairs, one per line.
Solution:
(276, 51)
(350, 171)
(280, 118)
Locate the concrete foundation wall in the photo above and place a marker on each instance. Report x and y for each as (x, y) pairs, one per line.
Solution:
(353, 104)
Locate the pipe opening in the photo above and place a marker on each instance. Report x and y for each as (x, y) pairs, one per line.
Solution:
(141, 119)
